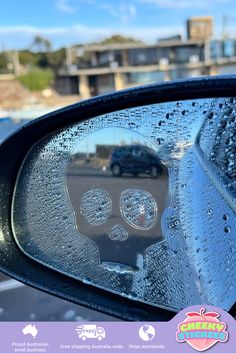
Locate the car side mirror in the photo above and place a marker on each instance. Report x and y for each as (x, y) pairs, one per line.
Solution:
(137, 240)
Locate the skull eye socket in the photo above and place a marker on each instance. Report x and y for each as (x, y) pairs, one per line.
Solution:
(96, 206)
(138, 208)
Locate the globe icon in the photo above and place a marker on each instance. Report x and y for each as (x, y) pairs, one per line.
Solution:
(147, 333)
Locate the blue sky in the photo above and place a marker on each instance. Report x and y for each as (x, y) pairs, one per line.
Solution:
(67, 22)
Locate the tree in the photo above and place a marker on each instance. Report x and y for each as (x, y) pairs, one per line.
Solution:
(57, 59)
(3, 62)
(41, 44)
(47, 45)
(119, 39)
(28, 58)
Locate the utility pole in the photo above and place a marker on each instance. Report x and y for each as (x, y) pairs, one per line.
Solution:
(225, 19)
(68, 59)
(16, 62)
(225, 30)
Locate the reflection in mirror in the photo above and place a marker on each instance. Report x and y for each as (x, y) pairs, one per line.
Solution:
(118, 187)
(140, 202)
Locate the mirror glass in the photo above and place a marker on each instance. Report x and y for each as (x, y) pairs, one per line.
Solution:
(140, 202)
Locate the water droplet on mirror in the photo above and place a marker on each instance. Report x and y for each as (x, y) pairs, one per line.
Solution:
(227, 229)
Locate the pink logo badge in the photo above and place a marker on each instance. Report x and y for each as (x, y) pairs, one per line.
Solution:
(201, 330)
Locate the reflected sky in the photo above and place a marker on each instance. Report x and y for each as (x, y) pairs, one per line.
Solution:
(110, 136)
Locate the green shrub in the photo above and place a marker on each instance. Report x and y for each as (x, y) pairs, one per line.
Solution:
(37, 79)
(4, 60)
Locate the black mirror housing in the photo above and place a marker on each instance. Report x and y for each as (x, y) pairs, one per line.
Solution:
(13, 152)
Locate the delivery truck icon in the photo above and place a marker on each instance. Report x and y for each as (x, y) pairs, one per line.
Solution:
(90, 332)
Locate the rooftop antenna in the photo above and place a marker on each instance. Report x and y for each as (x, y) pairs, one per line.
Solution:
(225, 20)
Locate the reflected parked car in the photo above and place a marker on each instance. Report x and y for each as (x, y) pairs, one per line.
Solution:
(135, 159)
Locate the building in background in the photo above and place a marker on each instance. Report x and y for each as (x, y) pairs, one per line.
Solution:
(96, 69)
(105, 68)
(200, 28)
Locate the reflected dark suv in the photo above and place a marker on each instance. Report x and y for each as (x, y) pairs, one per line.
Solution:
(135, 159)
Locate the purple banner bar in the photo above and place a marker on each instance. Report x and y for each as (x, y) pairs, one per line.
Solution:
(196, 329)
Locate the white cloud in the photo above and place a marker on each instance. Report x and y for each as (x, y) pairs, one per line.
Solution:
(110, 9)
(123, 11)
(127, 12)
(22, 36)
(64, 6)
(185, 4)
(30, 30)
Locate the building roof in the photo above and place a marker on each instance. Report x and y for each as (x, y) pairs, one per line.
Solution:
(123, 46)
